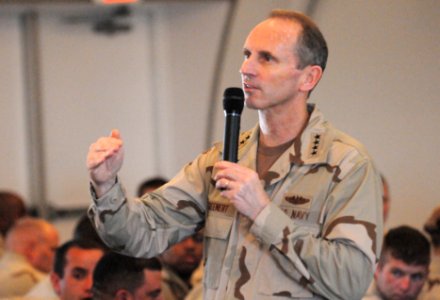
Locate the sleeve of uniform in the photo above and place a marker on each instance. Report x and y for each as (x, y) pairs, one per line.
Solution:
(147, 226)
(337, 261)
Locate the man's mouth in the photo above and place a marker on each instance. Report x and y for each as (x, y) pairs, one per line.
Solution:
(247, 86)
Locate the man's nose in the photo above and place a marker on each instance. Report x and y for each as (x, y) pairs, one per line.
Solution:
(189, 243)
(88, 282)
(405, 283)
(248, 68)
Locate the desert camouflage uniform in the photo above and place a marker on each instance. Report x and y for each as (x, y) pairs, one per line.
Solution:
(173, 287)
(372, 292)
(319, 237)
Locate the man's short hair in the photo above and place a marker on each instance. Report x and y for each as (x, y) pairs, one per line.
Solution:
(84, 230)
(116, 271)
(406, 244)
(12, 207)
(61, 252)
(311, 47)
(151, 183)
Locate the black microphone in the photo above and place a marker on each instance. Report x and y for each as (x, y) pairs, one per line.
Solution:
(233, 101)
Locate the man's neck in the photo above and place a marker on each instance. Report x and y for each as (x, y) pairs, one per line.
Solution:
(283, 124)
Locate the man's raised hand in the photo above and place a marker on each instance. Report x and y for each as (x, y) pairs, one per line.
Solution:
(104, 160)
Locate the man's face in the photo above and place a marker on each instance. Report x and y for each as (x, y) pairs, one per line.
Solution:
(43, 251)
(151, 288)
(397, 280)
(269, 73)
(77, 281)
(184, 257)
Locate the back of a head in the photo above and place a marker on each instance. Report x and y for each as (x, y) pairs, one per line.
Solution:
(12, 208)
(406, 244)
(27, 231)
(34, 239)
(149, 185)
(84, 230)
(115, 271)
(432, 227)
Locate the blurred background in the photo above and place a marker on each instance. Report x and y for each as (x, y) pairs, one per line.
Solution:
(70, 71)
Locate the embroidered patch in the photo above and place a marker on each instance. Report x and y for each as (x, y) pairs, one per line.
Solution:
(296, 206)
(297, 200)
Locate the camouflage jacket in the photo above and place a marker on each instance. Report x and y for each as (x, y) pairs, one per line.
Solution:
(318, 238)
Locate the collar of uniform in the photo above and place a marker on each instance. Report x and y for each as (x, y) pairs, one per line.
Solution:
(244, 141)
(311, 148)
(316, 138)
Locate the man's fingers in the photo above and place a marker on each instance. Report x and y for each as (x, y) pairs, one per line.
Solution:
(93, 162)
(115, 134)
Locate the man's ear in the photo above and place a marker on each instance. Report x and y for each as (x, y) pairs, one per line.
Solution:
(29, 252)
(312, 75)
(378, 269)
(123, 295)
(56, 282)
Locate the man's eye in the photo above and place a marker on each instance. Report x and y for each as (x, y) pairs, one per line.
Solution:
(78, 274)
(267, 57)
(417, 277)
(154, 294)
(397, 273)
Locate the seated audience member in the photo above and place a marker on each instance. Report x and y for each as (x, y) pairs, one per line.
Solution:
(181, 259)
(150, 185)
(29, 251)
(119, 277)
(196, 291)
(72, 272)
(84, 230)
(432, 227)
(179, 262)
(403, 266)
(12, 208)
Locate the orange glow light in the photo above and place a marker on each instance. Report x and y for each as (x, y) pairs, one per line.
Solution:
(117, 1)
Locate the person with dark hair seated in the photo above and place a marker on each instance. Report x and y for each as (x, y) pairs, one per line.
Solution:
(12, 208)
(181, 259)
(403, 266)
(71, 275)
(84, 230)
(149, 185)
(119, 277)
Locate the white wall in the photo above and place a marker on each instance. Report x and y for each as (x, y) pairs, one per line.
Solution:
(13, 153)
(380, 86)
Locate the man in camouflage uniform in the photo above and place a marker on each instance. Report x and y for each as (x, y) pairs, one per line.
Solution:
(300, 214)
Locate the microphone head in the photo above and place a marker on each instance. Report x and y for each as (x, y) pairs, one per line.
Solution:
(233, 100)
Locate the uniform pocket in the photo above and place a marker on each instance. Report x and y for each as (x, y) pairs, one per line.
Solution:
(217, 230)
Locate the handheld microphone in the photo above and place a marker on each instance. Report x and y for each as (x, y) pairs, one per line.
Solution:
(233, 101)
